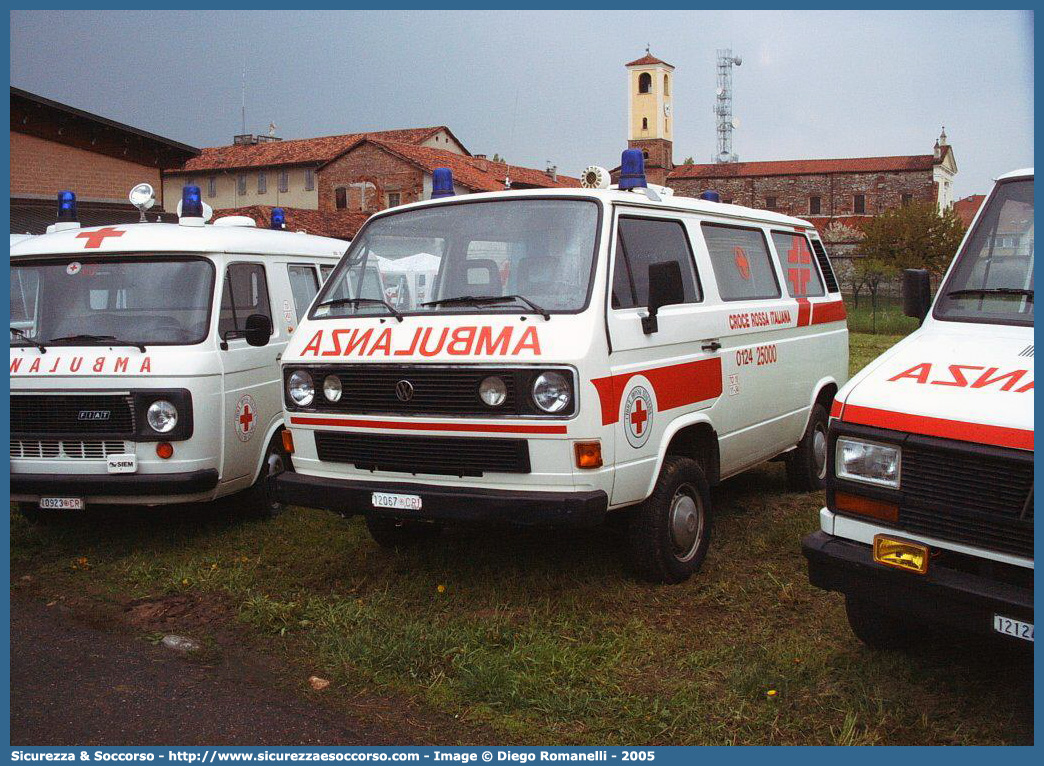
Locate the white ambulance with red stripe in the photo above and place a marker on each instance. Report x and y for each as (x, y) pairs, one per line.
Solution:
(581, 353)
(144, 357)
(929, 516)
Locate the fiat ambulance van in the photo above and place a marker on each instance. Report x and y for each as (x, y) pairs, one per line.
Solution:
(144, 357)
(929, 517)
(580, 353)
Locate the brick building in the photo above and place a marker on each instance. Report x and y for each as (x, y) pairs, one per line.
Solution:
(345, 178)
(55, 147)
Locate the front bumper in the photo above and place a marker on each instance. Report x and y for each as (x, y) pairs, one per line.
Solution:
(116, 485)
(944, 596)
(446, 503)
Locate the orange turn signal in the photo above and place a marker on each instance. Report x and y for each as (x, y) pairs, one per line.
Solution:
(288, 442)
(165, 450)
(588, 454)
(865, 506)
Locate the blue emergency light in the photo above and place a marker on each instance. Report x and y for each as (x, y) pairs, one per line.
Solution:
(191, 202)
(711, 196)
(67, 206)
(441, 183)
(632, 170)
(278, 218)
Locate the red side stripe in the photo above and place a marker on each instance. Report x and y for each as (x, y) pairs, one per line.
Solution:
(804, 312)
(392, 425)
(999, 436)
(828, 312)
(835, 409)
(676, 385)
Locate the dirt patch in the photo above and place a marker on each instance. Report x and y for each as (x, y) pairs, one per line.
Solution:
(187, 613)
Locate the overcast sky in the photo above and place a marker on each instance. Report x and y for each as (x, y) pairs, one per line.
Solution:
(539, 86)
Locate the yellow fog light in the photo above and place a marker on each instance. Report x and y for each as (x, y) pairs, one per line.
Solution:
(913, 557)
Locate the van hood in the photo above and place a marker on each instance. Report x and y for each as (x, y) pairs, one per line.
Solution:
(966, 382)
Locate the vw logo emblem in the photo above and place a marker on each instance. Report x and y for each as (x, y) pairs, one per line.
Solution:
(404, 390)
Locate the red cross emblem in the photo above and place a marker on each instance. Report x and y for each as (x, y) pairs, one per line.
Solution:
(246, 418)
(638, 417)
(799, 276)
(742, 264)
(96, 238)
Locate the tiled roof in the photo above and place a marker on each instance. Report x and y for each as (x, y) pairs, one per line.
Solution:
(967, 208)
(649, 60)
(340, 224)
(805, 167)
(298, 152)
(472, 172)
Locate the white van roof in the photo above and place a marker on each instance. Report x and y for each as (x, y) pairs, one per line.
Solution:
(638, 198)
(174, 238)
(1025, 172)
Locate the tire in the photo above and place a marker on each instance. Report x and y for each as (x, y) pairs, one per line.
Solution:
(877, 627)
(259, 501)
(807, 463)
(397, 533)
(670, 532)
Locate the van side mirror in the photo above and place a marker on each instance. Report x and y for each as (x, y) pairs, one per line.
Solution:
(665, 289)
(917, 293)
(258, 330)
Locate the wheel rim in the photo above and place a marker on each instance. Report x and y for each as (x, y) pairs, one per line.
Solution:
(819, 451)
(686, 520)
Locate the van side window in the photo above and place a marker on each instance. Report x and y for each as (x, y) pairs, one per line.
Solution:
(326, 271)
(644, 241)
(742, 264)
(304, 284)
(245, 292)
(798, 265)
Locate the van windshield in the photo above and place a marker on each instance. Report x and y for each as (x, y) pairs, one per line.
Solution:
(492, 256)
(106, 301)
(992, 280)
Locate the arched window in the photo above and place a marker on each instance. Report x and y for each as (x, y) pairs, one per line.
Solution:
(666, 86)
(645, 123)
(645, 154)
(644, 82)
(340, 198)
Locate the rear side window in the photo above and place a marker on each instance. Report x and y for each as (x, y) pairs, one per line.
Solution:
(245, 292)
(825, 267)
(742, 264)
(304, 284)
(644, 241)
(797, 262)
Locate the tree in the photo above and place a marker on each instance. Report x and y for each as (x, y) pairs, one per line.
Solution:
(688, 161)
(914, 236)
(498, 158)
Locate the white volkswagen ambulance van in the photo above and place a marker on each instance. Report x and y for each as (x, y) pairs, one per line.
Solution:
(144, 357)
(579, 353)
(929, 516)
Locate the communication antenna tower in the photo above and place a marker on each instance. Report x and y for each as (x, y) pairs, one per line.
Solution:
(723, 105)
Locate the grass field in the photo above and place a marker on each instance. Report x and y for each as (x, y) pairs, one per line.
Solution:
(541, 636)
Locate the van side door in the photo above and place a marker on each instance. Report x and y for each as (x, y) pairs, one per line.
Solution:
(252, 383)
(655, 376)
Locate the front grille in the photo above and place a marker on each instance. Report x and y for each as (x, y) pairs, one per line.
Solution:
(982, 499)
(38, 414)
(448, 456)
(71, 450)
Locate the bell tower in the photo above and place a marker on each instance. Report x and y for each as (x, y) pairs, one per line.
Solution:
(650, 86)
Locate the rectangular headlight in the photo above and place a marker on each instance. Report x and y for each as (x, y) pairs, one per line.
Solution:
(868, 462)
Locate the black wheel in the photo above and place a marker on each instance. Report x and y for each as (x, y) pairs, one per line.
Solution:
(877, 627)
(259, 501)
(670, 532)
(398, 533)
(807, 463)
(36, 515)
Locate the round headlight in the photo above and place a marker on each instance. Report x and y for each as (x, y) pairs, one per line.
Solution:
(552, 392)
(492, 391)
(332, 388)
(162, 416)
(300, 388)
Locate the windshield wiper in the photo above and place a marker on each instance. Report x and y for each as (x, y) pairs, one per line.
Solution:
(357, 301)
(105, 339)
(479, 300)
(22, 334)
(991, 291)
